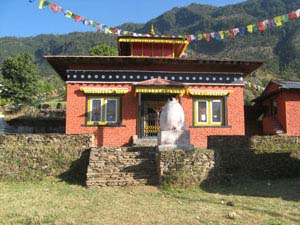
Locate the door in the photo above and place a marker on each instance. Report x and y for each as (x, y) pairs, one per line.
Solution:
(151, 107)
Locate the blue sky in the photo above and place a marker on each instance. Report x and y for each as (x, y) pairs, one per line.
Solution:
(22, 19)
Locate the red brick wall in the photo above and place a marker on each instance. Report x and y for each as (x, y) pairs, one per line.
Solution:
(119, 136)
(292, 113)
(268, 119)
(235, 114)
(105, 136)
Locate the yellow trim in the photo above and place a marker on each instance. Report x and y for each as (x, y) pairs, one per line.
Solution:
(160, 90)
(87, 90)
(209, 122)
(103, 111)
(195, 92)
(186, 43)
(149, 40)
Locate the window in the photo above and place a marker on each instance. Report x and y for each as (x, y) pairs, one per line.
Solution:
(209, 112)
(273, 107)
(103, 110)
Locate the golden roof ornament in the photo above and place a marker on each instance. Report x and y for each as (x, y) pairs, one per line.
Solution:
(152, 31)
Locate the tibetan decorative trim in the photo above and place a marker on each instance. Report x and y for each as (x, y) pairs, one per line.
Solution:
(138, 76)
(135, 40)
(87, 90)
(195, 92)
(160, 90)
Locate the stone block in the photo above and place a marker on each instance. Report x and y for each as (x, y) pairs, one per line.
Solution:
(172, 139)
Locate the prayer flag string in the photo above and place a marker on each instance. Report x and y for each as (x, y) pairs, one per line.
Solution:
(277, 21)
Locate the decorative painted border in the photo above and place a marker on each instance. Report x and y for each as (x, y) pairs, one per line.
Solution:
(137, 76)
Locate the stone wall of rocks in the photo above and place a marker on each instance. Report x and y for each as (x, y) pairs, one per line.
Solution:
(186, 168)
(34, 156)
(38, 125)
(257, 156)
(122, 166)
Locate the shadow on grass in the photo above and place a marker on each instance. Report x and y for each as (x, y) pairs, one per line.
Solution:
(238, 189)
(255, 166)
(78, 170)
(286, 188)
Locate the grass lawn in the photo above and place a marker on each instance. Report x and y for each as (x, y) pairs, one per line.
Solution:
(54, 202)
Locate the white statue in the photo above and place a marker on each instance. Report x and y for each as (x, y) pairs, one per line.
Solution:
(172, 116)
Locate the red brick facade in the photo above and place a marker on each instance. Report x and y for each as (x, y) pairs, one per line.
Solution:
(292, 103)
(104, 136)
(122, 135)
(288, 111)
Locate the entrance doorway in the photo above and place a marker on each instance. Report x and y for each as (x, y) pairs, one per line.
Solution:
(150, 109)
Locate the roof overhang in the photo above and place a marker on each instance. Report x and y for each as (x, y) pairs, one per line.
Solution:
(62, 64)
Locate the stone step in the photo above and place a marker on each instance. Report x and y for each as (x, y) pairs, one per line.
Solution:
(121, 174)
(122, 166)
(144, 142)
(105, 183)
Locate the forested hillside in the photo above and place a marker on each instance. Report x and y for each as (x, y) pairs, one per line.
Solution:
(279, 47)
(69, 44)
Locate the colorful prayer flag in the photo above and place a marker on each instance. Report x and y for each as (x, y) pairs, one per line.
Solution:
(41, 4)
(278, 21)
(68, 14)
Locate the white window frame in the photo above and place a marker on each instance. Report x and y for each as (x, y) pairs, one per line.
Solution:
(91, 109)
(116, 110)
(207, 105)
(211, 111)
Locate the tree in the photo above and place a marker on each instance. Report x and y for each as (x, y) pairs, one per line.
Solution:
(20, 79)
(104, 50)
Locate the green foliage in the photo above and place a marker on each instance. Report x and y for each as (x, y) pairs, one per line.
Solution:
(20, 79)
(103, 50)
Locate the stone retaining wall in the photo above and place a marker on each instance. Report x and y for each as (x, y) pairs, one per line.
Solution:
(257, 156)
(34, 156)
(38, 125)
(122, 166)
(186, 168)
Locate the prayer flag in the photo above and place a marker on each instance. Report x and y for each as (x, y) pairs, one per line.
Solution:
(236, 31)
(298, 13)
(222, 35)
(242, 30)
(41, 4)
(231, 34)
(250, 28)
(271, 24)
(207, 37)
(68, 14)
(278, 21)
(77, 18)
(285, 18)
(255, 28)
(292, 15)
(53, 7)
(200, 37)
(261, 26)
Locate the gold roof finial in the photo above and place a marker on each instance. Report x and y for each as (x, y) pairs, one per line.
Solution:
(152, 31)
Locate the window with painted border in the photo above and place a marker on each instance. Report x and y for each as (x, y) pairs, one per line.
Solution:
(209, 111)
(103, 110)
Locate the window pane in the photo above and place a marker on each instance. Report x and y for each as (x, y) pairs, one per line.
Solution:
(216, 112)
(202, 112)
(96, 110)
(111, 110)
